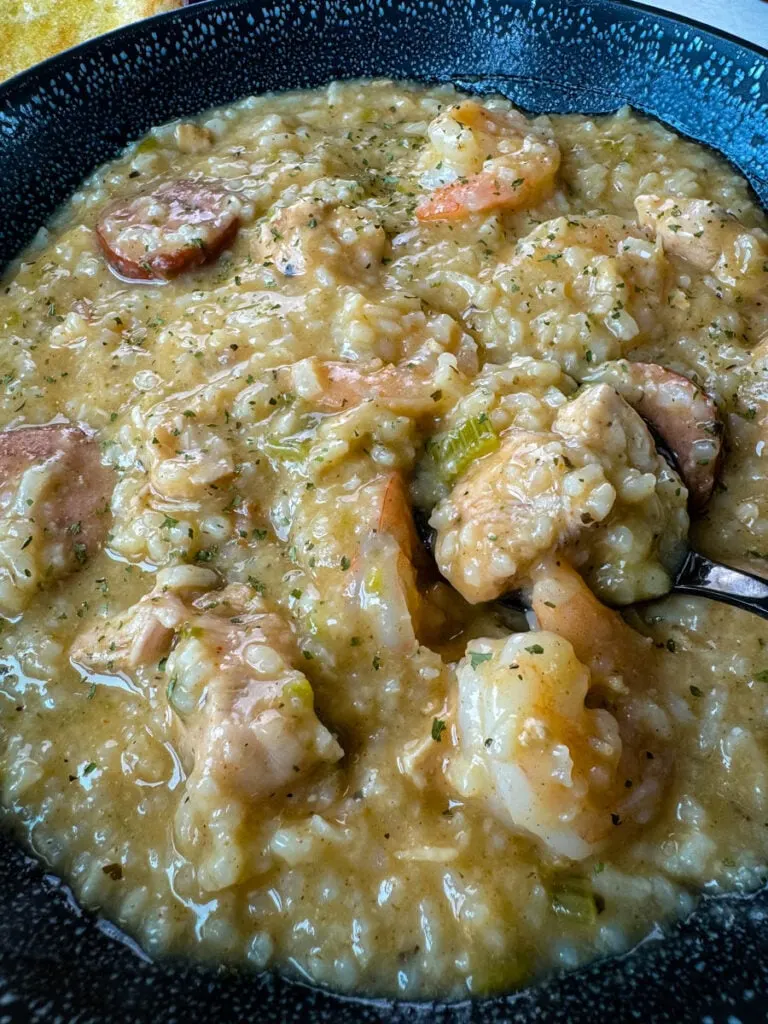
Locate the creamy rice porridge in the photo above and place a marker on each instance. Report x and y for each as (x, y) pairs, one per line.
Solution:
(296, 395)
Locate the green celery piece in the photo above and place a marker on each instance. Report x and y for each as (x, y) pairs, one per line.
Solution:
(459, 448)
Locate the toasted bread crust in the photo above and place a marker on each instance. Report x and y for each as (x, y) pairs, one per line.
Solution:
(32, 30)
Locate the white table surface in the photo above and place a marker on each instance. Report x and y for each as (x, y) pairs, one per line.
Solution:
(747, 19)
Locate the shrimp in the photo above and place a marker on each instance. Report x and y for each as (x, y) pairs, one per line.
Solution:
(396, 517)
(548, 490)
(404, 389)
(626, 676)
(708, 237)
(371, 560)
(310, 236)
(420, 387)
(615, 653)
(385, 569)
(683, 415)
(546, 764)
(487, 159)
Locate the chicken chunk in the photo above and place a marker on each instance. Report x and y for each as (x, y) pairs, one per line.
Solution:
(54, 494)
(508, 509)
(308, 237)
(246, 716)
(183, 451)
(142, 634)
(708, 237)
(193, 138)
(249, 730)
(483, 159)
(594, 483)
(606, 265)
(250, 720)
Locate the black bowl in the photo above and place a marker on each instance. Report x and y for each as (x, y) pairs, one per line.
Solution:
(62, 118)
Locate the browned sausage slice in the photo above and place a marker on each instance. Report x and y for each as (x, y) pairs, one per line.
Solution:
(179, 225)
(684, 416)
(72, 509)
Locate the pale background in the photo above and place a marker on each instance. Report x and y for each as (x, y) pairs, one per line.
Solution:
(745, 18)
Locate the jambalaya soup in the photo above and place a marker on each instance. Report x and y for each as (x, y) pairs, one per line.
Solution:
(332, 516)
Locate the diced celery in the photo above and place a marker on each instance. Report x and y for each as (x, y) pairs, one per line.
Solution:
(191, 632)
(148, 145)
(287, 449)
(456, 450)
(572, 897)
(320, 627)
(300, 691)
(374, 581)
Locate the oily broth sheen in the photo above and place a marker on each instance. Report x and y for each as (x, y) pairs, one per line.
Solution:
(372, 873)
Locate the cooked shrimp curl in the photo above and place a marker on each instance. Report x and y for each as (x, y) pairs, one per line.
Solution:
(545, 762)
(484, 159)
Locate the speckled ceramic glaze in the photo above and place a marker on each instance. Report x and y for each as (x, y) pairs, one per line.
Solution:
(62, 118)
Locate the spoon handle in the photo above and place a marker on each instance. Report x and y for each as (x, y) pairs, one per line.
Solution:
(701, 576)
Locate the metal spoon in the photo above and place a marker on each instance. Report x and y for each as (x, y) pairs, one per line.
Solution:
(703, 577)
(700, 576)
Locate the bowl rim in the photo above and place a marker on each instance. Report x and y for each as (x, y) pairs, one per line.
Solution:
(22, 80)
(12, 92)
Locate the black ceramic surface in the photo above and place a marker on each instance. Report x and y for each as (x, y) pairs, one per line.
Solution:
(62, 118)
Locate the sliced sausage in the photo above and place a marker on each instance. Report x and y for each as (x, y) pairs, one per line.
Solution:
(684, 417)
(73, 509)
(179, 225)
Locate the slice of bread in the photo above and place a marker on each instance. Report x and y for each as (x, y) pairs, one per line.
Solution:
(31, 30)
